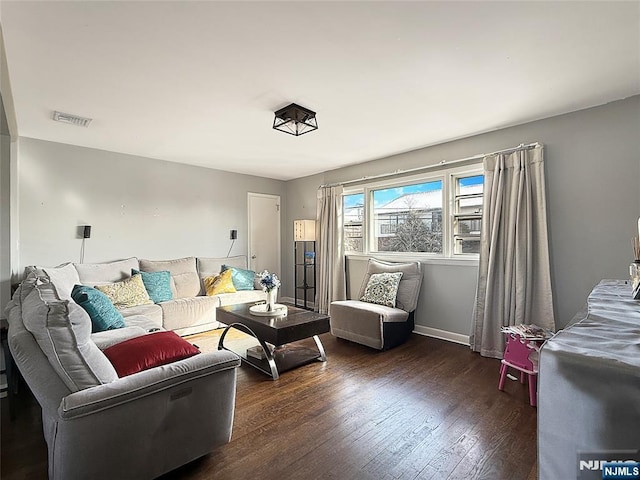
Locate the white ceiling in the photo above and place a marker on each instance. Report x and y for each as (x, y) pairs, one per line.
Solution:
(198, 82)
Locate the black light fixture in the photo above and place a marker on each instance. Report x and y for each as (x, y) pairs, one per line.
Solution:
(295, 120)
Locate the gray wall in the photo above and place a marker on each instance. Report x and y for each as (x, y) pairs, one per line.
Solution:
(155, 209)
(136, 206)
(5, 208)
(593, 177)
(5, 222)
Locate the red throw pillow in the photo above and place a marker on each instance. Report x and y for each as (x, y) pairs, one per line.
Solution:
(148, 351)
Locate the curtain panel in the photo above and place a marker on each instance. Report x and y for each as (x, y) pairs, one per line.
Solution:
(514, 277)
(331, 284)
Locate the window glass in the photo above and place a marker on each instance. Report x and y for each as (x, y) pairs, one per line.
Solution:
(408, 218)
(467, 214)
(353, 215)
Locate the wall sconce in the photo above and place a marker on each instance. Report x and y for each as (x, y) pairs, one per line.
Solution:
(85, 232)
(304, 230)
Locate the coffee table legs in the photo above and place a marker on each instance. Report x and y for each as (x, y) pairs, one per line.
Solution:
(268, 364)
(269, 357)
(323, 357)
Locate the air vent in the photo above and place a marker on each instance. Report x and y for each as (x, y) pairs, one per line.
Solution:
(71, 119)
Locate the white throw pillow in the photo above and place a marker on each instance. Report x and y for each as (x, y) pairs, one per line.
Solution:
(63, 278)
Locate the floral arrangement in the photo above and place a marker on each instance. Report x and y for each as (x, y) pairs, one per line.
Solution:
(269, 281)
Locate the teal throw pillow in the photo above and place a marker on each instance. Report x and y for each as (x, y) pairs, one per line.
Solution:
(242, 279)
(104, 316)
(158, 285)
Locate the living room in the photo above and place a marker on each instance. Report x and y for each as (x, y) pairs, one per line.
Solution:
(145, 206)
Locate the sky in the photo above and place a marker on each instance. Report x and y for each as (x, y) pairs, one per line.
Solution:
(382, 197)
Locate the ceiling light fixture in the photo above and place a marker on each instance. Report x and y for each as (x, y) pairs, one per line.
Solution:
(295, 120)
(71, 119)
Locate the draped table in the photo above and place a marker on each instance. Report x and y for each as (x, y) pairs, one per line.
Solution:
(589, 387)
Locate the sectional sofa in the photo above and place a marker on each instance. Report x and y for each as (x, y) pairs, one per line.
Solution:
(165, 411)
(190, 310)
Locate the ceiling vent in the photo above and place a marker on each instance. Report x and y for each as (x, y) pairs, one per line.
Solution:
(71, 119)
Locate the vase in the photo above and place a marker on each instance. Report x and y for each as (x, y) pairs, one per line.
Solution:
(272, 296)
(634, 273)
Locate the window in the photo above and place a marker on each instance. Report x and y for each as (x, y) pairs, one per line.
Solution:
(408, 218)
(353, 214)
(436, 215)
(467, 214)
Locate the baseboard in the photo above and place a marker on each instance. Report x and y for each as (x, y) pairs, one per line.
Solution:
(441, 334)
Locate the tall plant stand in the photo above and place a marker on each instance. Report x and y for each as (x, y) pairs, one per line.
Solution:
(304, 274)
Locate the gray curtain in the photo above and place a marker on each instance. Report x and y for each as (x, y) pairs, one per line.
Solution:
(514, 278)
(330, 281)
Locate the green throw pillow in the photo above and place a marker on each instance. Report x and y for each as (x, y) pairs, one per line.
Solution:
(158, 285)
(242, 279)
(104, 316)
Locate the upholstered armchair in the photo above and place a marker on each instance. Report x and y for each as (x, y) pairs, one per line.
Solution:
(377, 325)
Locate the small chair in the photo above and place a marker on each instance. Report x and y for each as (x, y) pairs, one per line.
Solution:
(521, 354)
(379, 326)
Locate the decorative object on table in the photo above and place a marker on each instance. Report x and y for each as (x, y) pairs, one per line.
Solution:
(270, 283)
(277, 310)
(634, 268)
(256, 352)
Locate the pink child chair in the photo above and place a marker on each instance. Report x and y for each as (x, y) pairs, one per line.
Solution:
(522, 355)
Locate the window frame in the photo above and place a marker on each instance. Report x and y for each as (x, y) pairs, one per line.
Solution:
(448, 176)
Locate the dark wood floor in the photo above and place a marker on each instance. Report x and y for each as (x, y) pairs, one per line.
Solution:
(428, 409)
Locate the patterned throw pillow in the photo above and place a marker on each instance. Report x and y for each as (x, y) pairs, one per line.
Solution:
(217, 284)
(103, 314)
(382, 289)
(157, 284)
(127, 293)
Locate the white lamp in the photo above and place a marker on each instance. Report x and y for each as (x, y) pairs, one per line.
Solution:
(304, 230)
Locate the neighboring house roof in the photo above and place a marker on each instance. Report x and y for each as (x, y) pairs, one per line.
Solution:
(423, 200)
(419, 201)
(414, 201)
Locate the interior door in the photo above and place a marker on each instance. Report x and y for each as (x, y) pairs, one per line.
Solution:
(264, 232)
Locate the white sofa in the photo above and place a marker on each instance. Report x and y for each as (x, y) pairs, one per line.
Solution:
(97, 424)
(190, 311)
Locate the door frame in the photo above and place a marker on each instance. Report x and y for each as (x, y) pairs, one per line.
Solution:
(278, 230)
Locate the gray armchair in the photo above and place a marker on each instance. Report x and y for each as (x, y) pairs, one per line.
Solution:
(99, 426)
(379, 326)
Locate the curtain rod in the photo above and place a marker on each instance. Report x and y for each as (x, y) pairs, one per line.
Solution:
(442, 163)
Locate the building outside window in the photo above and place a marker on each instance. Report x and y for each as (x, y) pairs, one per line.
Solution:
(408, 218)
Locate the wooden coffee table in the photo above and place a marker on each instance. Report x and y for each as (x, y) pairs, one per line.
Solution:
(279, 331)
